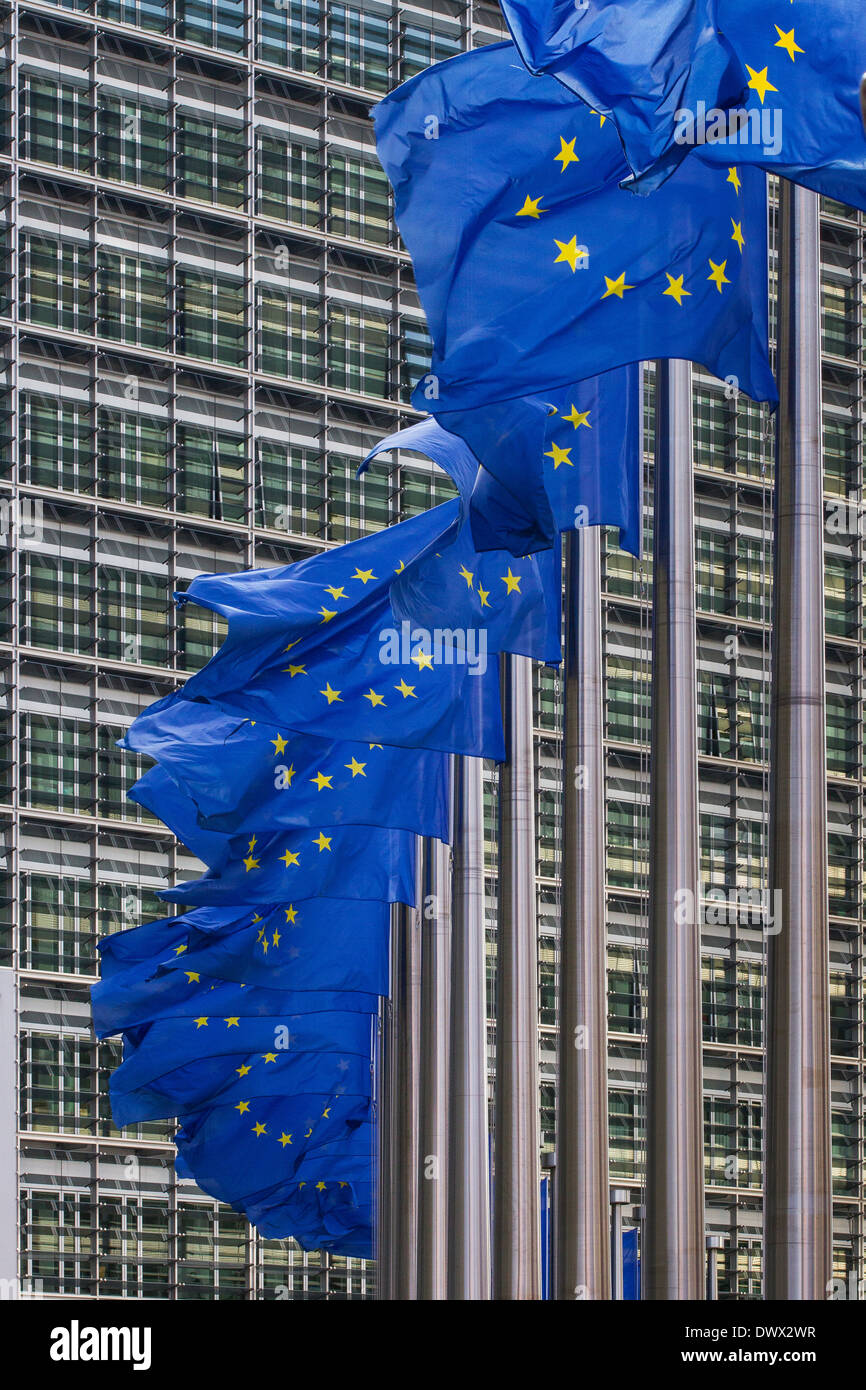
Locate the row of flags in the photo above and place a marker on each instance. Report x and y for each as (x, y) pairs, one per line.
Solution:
(304, 761)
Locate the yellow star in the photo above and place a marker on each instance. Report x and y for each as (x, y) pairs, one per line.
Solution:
(295, 671)
(290, 774)
(327, 614)
(275, 939)
(511, 581)
(601, 118)
(292, 644)
(331, 695)
(373, 698)
(259, 1129)
(321, 781)
(251, 863)
(578, 418)
(788, 42)
(737, 234)
(559, 456)
(179, 950)
(568, 252)
(323, 841)
(253, 842)
(289, 858)
(371, 746)
(335, 593)
(285, 1139)
(531, 208)
(364, 575)
(675, 288)
(422, 660)
(200, 1022)
(243, 1071)
(566, 154)
(484, 595)
(265, 946)
(617, 286)
(280, 745)
(326, 1113)
(467, 575)
(406, 690)
(269, 1057)
(734, 178)
(321, 1187)
(291, 913)
(760, 83)
(233, 1022)
(356, 768)
(193, 976)
(400, 568)
(718, 275)
(243, 1105)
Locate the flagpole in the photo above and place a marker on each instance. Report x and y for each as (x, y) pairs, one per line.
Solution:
(673, 1258)
(434, 1071)
(798, 1187)
(401, 1197)
(385, 1130)
(582, 1261)
(468, 1174)
(517, 1201)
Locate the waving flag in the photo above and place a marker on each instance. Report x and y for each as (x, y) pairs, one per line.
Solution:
(534, 269)
(316, 945)
(636, 61)
(250, 776)
(802, 119)
(580, 446)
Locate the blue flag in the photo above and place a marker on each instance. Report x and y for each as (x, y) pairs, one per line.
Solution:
(580, 448)
(637, 61)
(534, 269)
(314, 945)
(322, 1197)
(253, 777)
(351, 862)
(802, 117)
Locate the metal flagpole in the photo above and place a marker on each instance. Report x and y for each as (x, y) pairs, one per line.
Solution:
(434, 1068)
(583, 1183)
(797, 1201)
(673, 1258)
(401, 1197)
(385, 1115)
(468, 1172)
(517, 1200)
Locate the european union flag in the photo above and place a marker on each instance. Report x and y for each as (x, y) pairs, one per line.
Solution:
(802, 117)
(174, 1066)
(321, 1196)
(351, 861)
(574, 457)
(314, 945)
(250, 776)
(637, 62)
(534, 269)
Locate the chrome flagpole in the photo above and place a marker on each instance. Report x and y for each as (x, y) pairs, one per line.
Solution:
(673, 1257)
(468, 1152)
(517, 1198)
(404, 1078)
(798, 1192)
(434, 1071)
(582, 1260)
